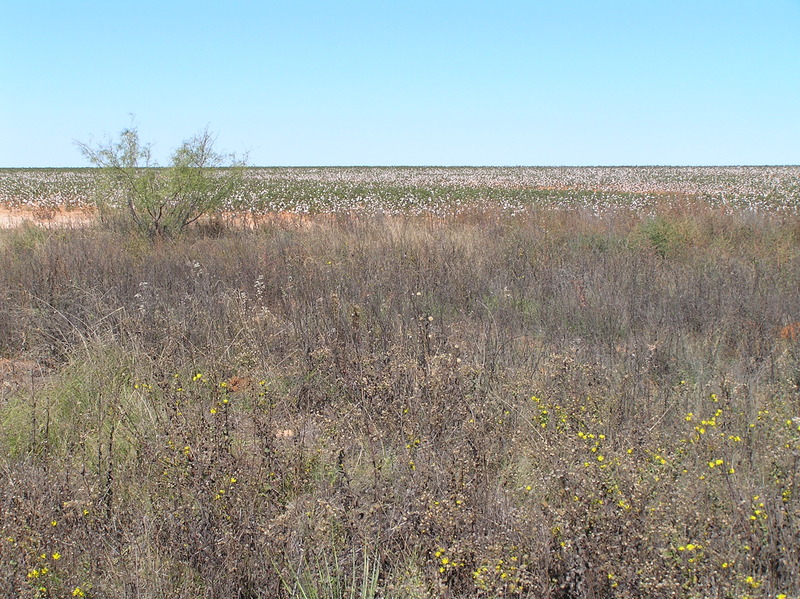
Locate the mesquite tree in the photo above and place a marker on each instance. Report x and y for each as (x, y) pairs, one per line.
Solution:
(163, 201)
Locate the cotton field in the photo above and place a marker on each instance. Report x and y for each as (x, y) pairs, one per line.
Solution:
(447, 190)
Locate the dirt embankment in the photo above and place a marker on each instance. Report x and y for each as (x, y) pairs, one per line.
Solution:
(44, 217)
(80, 217)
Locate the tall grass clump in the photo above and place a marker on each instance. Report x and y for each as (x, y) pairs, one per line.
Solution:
(560, 404)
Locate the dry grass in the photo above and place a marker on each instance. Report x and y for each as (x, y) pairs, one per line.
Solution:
(560, 404)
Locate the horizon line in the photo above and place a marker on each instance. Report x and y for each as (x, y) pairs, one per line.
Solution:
(431, 166)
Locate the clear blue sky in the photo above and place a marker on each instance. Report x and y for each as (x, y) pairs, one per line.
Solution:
(352, 82)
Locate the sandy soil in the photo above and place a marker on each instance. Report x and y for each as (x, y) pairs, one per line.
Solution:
(59, 218)
(16, 217)
(17, 373)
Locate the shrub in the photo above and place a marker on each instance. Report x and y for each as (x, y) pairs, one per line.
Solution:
(162, 202)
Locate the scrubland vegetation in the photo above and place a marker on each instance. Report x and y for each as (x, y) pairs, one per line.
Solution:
(556, 399)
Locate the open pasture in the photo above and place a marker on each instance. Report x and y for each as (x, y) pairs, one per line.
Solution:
(454, 382)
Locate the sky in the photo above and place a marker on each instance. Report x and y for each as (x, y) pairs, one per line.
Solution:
(378, 82)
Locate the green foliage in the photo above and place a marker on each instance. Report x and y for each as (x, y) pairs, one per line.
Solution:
(667, 235)
(327, 577)
(162, 202)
